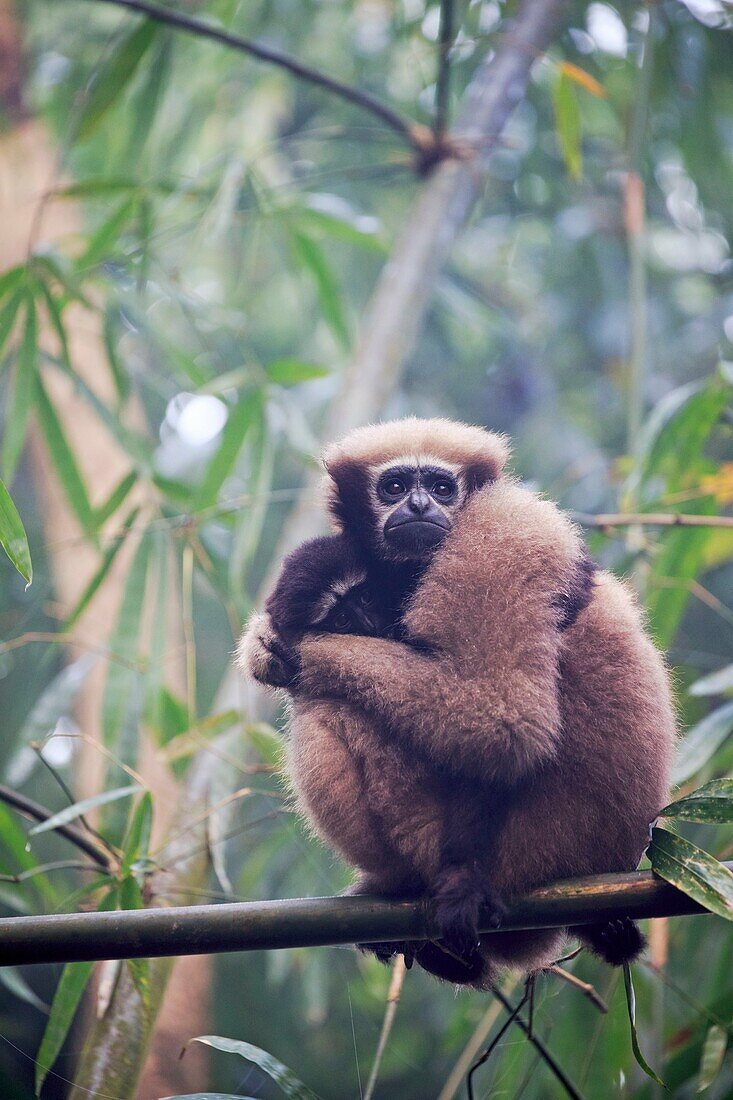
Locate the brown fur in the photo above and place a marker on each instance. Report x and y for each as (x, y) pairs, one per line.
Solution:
(535, 753)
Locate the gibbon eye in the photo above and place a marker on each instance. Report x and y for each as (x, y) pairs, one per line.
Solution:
(443, 489)
(393, 487)
(341, 620)
(365, 597)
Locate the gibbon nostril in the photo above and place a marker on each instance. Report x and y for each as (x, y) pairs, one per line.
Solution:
(419, 501)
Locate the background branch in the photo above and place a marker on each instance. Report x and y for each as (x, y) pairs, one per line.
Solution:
(650, 519)
(36, 812)
(365, 100)
(317, 922)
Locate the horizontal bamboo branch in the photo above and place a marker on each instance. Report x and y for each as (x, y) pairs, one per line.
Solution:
(316, 922)
(650, 519)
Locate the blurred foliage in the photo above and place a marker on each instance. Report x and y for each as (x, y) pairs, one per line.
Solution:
(234, 221)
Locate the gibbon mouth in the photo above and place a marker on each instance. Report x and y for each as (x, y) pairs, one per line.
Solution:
(417, 523)
(415, 535)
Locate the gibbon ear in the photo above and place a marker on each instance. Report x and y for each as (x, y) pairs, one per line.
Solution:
(483, 471)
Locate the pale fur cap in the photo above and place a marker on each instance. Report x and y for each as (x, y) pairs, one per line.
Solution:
(413, 436)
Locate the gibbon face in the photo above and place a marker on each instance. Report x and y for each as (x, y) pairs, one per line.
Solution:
(356, 610)
(400, 506)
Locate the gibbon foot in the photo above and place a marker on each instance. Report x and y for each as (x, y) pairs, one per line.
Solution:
(460, 898)
(385, 952)
(266, 656)
(616, 942)
(468, 970)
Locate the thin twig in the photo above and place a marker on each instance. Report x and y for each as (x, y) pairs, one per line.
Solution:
(408, 130)
(473, 1046)
(38, 747)
(37, 812)
(541, 1049)
(393, 996)
(585, 987)
(513, 1015)
(650, 519)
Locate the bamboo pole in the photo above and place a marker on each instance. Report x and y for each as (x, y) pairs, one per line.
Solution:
(318, 922)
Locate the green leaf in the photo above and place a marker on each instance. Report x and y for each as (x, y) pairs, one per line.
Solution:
(702, 742)
(210, 1096)
(713, 1053)
(66, 1000)
(8, 314)
(116, 498)
(13, 538)
(64, 461)
(241, 419)
(56, 318)
(285, 1078)
(112, 78)
(311, 258)
(144, 107)
(713, 802)
(14, 981)
(53, 703)
(111, 336)
(695, 872)
(290, 372)
(11, 279)
(714, 684)
(631, 1005)
(78, 809)
(137, 841)
(122, 676)
(22, 390)
(568, 125)
(333, 216)
(104, 240)
(96, 581)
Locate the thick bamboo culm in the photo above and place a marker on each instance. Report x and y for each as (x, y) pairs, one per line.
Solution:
(316, 922)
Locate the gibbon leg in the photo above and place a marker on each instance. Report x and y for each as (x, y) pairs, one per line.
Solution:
(385, 950)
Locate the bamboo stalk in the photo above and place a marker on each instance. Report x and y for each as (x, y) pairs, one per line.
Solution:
(317, 922)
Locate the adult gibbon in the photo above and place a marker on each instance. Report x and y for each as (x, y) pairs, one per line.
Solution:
(525, 699)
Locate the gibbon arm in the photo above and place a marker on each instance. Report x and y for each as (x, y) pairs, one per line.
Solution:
(481, 697)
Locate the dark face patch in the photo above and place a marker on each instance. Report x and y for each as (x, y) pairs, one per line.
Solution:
(416, 505)
(357, 611)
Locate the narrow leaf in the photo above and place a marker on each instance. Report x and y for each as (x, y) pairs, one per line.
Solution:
(702, 742)
(712, 802)
(13, 538)
(116, 498)
(69, 992)
(124, 642)
(631, 1005)
(22, 390)
(96, 581)
(568, 125)
(111, 79)
(695, 872)
(584, 79)
(713, 1053)
(290, 372)
(285, 1078)
(104, 240)
(8, 314)
(64, 461)
(14, 981)
(137, 841)
(241, 418)
(71, 813)
(714, 684)
(312, 259)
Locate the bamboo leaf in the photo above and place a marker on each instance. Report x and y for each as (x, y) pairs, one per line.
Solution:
(713, 1053)
(22, 390)
(96, 581)
(64, 461)
(111, 79)
(714, 684)
(702, 742)
(291, 372)
(8, 315)
(631, 1006)
(124, 643)
(584, 79)
(78, 809)
(311, 258)
(116, 498)
(695, 872)
(66, 1000)
(137, 841)
(241, 419)
(568, 125)
(147, 101)
(285, 1078)
(13, 538)
(14, 981)
(104, 240)
(713, 802)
